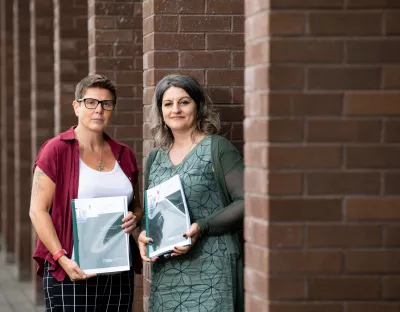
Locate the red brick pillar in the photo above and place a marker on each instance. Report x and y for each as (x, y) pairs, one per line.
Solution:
(7, 133)
(115, 50)
(257, 112)
(42, 96)
(42, 64)
(2, 87)
(202, 38)
(321, 155)
(70, 57)
(22, 138)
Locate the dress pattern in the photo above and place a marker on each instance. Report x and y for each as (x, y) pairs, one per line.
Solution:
(203, 279)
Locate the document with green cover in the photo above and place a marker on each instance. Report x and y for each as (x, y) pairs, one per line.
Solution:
(100, 243)
(167, 217)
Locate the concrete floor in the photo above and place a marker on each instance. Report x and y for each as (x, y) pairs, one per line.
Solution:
(15, 296)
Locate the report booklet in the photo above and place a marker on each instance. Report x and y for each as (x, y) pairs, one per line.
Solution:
(167, 217)
(100, 243)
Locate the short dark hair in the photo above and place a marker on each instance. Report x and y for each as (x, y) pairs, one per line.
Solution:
(95, 81)
(207, 120)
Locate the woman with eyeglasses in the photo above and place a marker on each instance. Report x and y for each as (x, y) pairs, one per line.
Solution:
(83, 162)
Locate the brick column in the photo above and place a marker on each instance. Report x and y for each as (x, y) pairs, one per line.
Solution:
(115, 50)
(7, 132)
(22, 138)
(322, 144)
(202, 38)
(256, 157)
(42, 96)
(205, 39)
(42, 64)
(70, 57)
(2, 86)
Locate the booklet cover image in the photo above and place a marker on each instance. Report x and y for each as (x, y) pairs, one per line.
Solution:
(167, 217)
(100, 243)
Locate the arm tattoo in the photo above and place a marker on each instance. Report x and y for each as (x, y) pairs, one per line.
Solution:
(37, 183)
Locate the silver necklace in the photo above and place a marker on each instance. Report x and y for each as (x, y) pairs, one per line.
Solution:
(100, 166)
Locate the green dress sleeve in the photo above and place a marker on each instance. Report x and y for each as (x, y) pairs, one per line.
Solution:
(228, 171)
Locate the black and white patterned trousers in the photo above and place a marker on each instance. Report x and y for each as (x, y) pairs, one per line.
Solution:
(103, 293)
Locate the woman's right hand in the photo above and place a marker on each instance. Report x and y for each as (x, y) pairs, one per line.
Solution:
(143, 241)
(73, 270)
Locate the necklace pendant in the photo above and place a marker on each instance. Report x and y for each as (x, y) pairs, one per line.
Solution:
(100, 166)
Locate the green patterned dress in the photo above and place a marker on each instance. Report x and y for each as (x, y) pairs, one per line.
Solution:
(203, 280)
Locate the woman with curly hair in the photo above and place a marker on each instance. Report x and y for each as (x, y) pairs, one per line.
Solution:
(206, 275)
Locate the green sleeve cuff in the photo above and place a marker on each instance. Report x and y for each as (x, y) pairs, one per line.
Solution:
(204, 226)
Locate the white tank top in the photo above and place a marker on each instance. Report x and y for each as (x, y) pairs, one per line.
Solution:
(93, 183)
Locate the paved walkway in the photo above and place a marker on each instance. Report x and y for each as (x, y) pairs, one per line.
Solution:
(14, 296)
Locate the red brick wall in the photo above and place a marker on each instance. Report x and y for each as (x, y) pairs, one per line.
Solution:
(42, 67)
(42, 98)
(7, 127)
(115, 50)
(3, 94)
(321, 155)
(203, 38)
(321, 124)
(70, 57)
(22, 137)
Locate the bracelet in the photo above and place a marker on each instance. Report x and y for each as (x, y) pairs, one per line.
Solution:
(59, 254)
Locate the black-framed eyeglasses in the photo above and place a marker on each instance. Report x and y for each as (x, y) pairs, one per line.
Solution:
(93, 103)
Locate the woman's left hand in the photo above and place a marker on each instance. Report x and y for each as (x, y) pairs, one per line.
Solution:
(194, 233)
(129, 224)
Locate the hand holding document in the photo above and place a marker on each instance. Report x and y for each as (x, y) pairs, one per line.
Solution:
(100, 243)
(167, 217)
